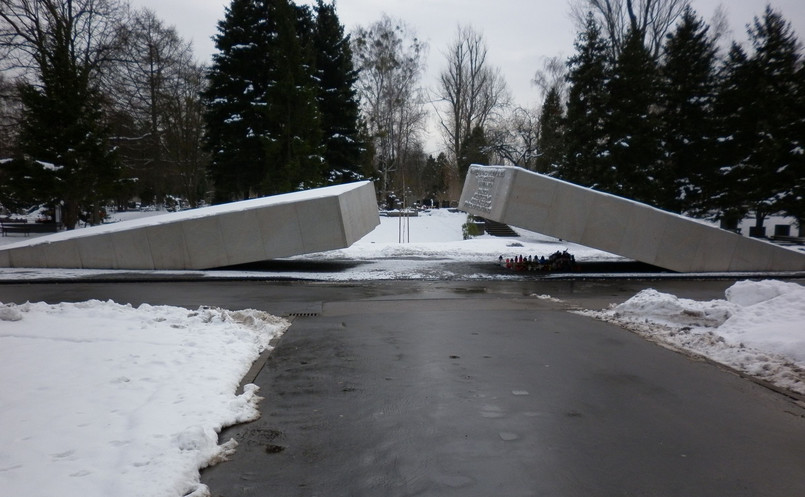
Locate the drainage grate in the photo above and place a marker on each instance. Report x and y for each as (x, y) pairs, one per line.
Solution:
(303, 315)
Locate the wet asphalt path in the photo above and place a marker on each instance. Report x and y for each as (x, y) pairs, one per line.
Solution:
(481, 389)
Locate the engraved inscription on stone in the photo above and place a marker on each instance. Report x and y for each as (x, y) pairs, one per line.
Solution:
(481, 199)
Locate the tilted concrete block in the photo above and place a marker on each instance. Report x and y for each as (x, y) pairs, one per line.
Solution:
(93, 252)
(621, 226)
(644, 248)
(244, 238)
(132, 248)
(236, 233)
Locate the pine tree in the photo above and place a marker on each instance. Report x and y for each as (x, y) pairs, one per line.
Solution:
(793, 204)
(734, 93)
(237, 79)
(688, 92)
(585, 136)
(63, 135)
(633, 125)
(550, 141)
(762, 161)
(64, 156)
(337, 97)
(294, 155)
(262, 117)
(435, 177)
(474, 150)
(778, 55)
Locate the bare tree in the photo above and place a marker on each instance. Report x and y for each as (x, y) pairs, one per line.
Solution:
(31, 29)
(9, 117)
(652, 18)
(552, 75)
(390, 59)
(184, 132)
(720, 26)
(146, 82)
(471, 89)
(514, 139)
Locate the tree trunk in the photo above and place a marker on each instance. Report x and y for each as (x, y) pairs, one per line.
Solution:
(70, 214)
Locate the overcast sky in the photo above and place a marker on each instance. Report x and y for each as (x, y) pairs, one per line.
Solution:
(518, 33)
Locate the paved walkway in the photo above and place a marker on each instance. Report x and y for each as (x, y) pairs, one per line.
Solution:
(476, 394)
(478, 389)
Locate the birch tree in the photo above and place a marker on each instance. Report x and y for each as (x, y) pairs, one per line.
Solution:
(391, 60)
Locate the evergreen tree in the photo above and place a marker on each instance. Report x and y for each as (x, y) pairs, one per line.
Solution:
(435, 176)
(585, 135)
(262, 117)
(235, 122)
(761, 101)
(793, 204)
(474, 150)
(337, 97)
(634, 127)
(778, 55)
(550, 141)
(688, 92)
(58, 49)
(294, 154)
(731, 145)
(63, 134)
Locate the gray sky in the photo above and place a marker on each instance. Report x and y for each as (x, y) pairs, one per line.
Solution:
(518, 33)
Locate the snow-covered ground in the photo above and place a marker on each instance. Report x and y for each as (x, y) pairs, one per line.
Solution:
(104, 399)
(101, 399)
(437, 234)
(757, 329)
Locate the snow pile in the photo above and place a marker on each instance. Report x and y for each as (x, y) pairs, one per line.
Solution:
(104, 399)
(758, 329)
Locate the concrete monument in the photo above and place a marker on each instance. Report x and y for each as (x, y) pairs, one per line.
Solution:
(221, 235)
(617, 225)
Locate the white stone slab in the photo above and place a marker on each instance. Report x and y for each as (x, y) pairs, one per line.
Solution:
(244, 238)
(352, 204)
(228, 234)
(646, 247)
(94, 252)
(319, 223)
(570, 213)
(204, 243)
(533, 207)
(281, 233)
(132, 248)
(637, 231)
(607, 222)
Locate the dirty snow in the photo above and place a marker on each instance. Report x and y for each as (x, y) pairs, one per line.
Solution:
(757, 329)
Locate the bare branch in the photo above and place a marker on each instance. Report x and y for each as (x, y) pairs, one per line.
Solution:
(652, 18)
(472, 91)
(391, 60)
